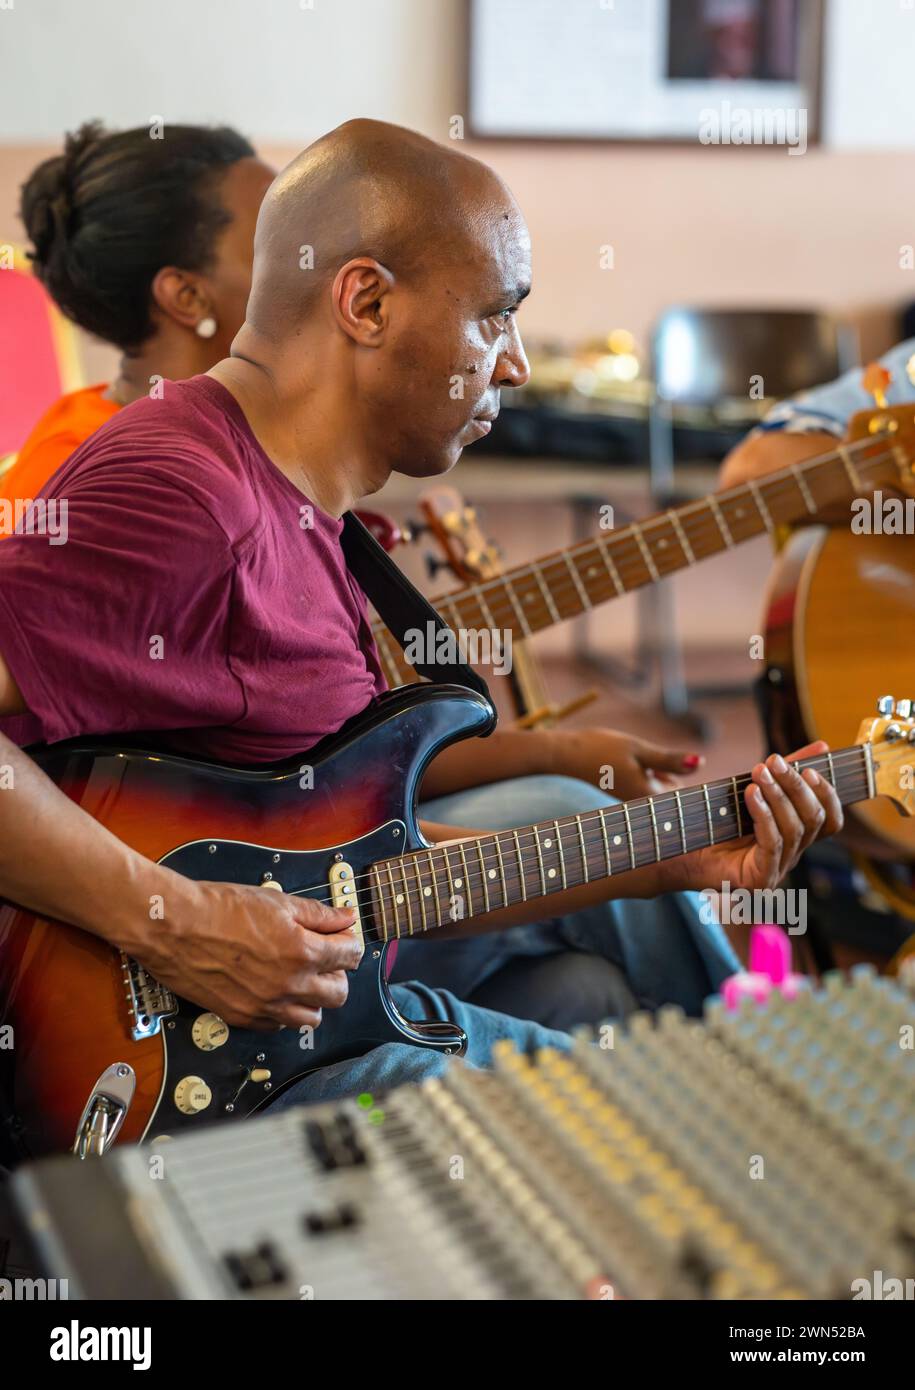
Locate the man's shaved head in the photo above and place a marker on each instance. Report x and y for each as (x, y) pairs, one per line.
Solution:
(365, 189)
(396, 264)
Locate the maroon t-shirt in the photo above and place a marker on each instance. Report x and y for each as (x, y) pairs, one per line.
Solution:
(198, 593)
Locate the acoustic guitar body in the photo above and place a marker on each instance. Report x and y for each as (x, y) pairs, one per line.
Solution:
(840, 631)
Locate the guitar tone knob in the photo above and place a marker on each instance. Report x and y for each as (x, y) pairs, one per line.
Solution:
(192, 1094)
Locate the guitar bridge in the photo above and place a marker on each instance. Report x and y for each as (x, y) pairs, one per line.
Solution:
(148, 1002)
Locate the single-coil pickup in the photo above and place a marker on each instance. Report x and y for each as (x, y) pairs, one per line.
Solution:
(343, 893)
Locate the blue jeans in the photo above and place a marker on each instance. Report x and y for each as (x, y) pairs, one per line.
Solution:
(603, 962)
(395, 1064)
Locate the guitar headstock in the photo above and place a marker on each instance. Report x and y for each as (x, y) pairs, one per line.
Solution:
(894, 423)
(454, 525)
(892, 739)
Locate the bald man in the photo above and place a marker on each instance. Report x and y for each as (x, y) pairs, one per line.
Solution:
(202, 593)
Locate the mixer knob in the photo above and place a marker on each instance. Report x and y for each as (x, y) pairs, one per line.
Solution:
(885, 705)
(192, 1094)
(904, 709)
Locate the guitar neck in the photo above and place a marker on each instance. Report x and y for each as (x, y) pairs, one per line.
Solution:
(448, 883)
(535, 596)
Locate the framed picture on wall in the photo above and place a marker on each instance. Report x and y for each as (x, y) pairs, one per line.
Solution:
(729, 72)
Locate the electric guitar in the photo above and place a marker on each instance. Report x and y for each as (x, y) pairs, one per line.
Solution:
(529, 598)
(105, 1052)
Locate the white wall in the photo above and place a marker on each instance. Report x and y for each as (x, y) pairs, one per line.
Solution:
(277, 69)
(286, 70)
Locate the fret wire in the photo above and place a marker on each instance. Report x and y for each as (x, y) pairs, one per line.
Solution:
(722, 524)
(680, 818)
(708, 813)
(738, 809)
(584, 852)
(422, 897)
(850, 468)
(602, 544)
(603, 831)
(485, 610)
(466, 878)
(394, 906)
(576, 580)
(435, 898)
(646, 553)
(681, 537)
(654, 827)
(547, 596)
(562, 858)
(519, 611)
(379, 897)
(451, 893)
(406, 886)
(629, 835)
(539, 858)
(520, 857)
(761, 506)
(483, 876)
(803, 488)
(498, 844)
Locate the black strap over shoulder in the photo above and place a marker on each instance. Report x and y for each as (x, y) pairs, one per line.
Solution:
(399, 603)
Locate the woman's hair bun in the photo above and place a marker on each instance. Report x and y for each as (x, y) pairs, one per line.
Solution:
(49, 195)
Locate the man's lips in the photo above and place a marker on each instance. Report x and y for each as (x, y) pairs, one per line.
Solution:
(484, 423)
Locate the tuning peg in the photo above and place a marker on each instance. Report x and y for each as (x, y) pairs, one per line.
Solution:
(885, 705)
(875, 381)
(904, 709)
(434, 564)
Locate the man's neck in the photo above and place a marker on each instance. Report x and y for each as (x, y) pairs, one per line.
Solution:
(304, 434)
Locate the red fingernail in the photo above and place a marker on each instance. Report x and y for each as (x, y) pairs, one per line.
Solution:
(692, 760)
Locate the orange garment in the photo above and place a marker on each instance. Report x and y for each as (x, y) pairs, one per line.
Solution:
(60, 430)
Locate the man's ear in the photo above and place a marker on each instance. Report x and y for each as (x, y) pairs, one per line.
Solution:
(180, 295)
(361, 300)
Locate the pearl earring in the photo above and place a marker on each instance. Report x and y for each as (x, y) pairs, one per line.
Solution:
(206, 328)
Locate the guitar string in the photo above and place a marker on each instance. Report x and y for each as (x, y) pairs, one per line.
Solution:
(631, 561)
(841, 760)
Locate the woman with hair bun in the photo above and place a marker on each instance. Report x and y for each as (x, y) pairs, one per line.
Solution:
(147, 244)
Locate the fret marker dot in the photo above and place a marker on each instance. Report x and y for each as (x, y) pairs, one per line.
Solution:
(399, 899)
(492, 873)
(667, 825)
(722, 810)
(427, 892)
(551, 873)
(617, 839)
(591, 571)
(547, 843)
(459, 883)
(662, 543)
(738, 511)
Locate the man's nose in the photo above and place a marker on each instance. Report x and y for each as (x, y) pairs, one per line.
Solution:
(513, 368)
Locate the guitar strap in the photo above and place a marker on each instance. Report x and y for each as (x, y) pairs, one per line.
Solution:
(403, 608)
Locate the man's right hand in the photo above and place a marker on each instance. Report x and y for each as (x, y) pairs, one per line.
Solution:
(258, 959)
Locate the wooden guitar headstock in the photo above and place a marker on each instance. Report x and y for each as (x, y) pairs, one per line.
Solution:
(894, 425)
(892, 741)
(454, 525)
